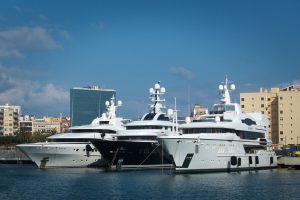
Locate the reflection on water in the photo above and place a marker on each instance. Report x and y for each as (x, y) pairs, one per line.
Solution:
(29, 182)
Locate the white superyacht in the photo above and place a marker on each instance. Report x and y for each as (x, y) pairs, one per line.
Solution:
(224, 140)
(75, 149)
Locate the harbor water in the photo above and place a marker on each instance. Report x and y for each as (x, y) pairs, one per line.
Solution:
(29, 182)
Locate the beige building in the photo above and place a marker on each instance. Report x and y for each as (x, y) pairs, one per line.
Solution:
(46, 125)
(9, 119)
(289, 115)
(30, 124)
(281, 107)
(198, 110)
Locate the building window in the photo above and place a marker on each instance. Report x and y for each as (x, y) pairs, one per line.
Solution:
(291, 138)
(252, 105)
(242, 99)
(281, 132)
(262, 98)
(252, 98)
(269, 99)
(262, 112)
(281, 112)
(280, 98)
(281, 139)
(281, 118)
(262, 105)
(243, 106)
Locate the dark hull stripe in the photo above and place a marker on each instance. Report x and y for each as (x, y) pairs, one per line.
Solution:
(128, 153)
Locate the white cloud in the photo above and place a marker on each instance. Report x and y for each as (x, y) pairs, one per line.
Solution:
(31, 95)
(14, 41)
(181, 72)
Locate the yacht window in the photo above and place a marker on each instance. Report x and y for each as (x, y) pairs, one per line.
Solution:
(206, 130)
(68, 140)
(137, 138)
(144, 127)
(229, 108)
(149, 116)
(162, 117)
(218, 109)
(248, 121)
(249, 135)
(93, 131)
(103, 122)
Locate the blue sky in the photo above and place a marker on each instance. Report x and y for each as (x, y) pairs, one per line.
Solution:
(48, 47)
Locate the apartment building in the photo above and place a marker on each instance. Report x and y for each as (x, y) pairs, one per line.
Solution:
(281, 107)
(9, 119)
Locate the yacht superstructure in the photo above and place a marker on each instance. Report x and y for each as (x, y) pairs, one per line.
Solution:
(223, 140)
(74, 149)
(137, 146)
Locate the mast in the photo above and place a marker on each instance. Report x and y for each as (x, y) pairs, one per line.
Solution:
(224, 91)
(155, 98)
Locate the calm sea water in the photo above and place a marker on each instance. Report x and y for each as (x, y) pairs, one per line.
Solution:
(29, 182)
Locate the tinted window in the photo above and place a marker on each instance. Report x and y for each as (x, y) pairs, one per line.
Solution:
(149, 116)
(162, 117)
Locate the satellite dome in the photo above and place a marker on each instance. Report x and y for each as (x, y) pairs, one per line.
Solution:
(232, 87)
(151, 91)
(157, 86)
(120, 103)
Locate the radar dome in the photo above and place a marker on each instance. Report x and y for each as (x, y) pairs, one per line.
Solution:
(188, 120)
(120, 103)
(151, 91)
(157, 86)
(106, 103)
(232, 87)
(221, 87)
(170, 112)
(162, 90)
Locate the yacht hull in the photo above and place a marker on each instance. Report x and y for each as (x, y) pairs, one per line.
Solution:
(132, 154)
(201, 155)
(48, 155)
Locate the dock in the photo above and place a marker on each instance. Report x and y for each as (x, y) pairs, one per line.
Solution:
(11, 155)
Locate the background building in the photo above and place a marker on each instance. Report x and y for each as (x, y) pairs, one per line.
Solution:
(9, 119)
(88, 103)
(289, 115)
(30, 124)
(198, 110)
(25, 122)
(281, 107)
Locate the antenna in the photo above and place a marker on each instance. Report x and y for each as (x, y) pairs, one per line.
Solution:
(189, 101)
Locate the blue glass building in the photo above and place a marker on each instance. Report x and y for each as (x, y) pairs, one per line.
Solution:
(87, 103)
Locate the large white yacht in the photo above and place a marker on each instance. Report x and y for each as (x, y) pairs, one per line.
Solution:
(137, 146)
(226, 139)
(74, 149)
